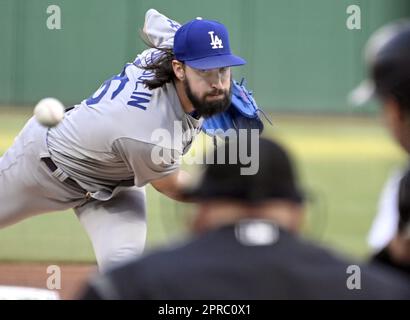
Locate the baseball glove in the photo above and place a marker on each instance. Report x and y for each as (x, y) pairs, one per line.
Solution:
(243, 113)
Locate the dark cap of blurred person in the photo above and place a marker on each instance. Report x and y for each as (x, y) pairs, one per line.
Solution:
(225, 194)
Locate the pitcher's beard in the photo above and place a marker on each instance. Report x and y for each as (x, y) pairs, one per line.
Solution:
(207, 108)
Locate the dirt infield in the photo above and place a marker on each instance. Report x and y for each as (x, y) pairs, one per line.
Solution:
(35, 275)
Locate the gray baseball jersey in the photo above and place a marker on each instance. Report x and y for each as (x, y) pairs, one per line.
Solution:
(105, 141)
(123, 132)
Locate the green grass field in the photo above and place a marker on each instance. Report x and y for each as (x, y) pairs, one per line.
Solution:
(343, 163)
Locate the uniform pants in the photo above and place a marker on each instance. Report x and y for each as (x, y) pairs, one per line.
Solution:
(117, 227)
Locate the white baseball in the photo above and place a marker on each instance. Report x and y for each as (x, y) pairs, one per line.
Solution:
(49, 112)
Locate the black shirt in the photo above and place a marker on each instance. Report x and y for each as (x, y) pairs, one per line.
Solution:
(245, 261)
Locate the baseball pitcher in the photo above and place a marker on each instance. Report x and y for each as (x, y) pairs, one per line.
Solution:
(99, 158)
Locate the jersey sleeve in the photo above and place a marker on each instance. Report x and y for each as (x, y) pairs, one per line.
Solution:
(147, 161)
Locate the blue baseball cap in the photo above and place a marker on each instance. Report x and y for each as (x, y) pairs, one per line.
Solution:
(204, 44)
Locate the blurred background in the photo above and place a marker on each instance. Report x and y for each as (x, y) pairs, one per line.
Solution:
(302, 63)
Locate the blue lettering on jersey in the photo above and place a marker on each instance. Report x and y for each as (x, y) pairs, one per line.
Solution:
(138, 96)
(147, 74)
(174, 25)
(123, 81)
(138, 99)
(122, 77)
(104, 88)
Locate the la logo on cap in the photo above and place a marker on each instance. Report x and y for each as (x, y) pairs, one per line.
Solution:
(215, 41)
(204, 45)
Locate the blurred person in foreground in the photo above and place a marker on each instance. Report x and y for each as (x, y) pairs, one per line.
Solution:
(246, 245)
(387, 55)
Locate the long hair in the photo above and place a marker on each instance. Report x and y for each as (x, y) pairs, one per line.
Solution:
(161, 66)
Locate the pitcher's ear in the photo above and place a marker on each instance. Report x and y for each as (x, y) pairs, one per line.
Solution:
(179, 69)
